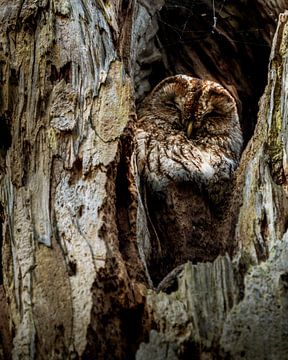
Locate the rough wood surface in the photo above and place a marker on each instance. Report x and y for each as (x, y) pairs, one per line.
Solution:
(65, 102)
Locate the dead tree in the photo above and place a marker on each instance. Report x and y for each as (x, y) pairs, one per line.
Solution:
(74, 278)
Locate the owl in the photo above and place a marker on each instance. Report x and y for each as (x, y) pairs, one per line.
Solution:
(187, 145)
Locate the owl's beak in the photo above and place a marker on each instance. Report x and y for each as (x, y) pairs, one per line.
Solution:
(189, 129)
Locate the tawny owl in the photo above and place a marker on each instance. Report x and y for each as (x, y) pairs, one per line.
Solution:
(188, 143)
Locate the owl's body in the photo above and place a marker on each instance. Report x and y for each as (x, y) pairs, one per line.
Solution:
(188, 143)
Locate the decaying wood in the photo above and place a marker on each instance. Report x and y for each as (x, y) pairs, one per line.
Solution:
(74, 274)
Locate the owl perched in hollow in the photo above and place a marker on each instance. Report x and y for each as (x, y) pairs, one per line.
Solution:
(188, 143)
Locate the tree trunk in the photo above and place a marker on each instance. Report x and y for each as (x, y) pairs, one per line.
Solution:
(74, 277)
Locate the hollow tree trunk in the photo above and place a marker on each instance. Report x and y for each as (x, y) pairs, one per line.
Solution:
(75, 282)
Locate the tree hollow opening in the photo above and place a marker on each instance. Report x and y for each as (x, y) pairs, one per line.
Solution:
(228, 43)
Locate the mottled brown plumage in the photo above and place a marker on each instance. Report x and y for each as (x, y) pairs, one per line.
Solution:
(188, 143)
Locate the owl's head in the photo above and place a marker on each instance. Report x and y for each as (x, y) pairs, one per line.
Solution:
(201, 107)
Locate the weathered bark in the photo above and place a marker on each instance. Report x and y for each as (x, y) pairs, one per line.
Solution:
(73, 226)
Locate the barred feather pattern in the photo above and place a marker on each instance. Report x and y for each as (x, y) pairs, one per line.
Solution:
(188, 144)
